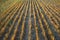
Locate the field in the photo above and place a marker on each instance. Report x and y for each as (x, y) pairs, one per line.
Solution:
(30, 20)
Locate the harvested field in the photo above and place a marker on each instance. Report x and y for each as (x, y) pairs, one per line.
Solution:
(30, 20)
